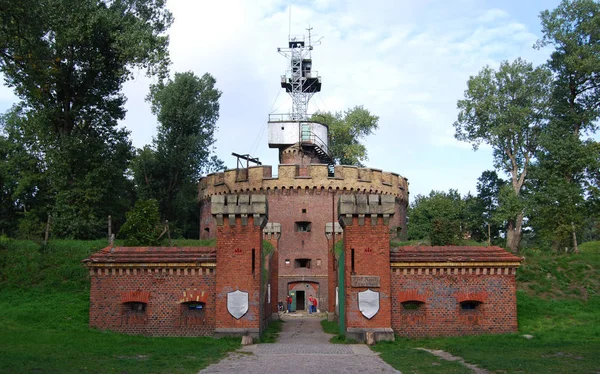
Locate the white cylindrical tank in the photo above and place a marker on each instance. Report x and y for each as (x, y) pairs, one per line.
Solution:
(286, 133)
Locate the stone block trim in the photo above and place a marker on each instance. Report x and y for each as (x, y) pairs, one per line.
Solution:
(259, 179)
(232, 206)
(272, 230)
(366, 205)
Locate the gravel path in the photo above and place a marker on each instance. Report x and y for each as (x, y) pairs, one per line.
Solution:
(302, 348)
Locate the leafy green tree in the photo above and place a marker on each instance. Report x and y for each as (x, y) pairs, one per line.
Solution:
(346, 130)
(438, 217)
(565, 172)
(23, 183)
(507, 109)
(187, 109)
(143, 225)
(488, 193)
(67, 61)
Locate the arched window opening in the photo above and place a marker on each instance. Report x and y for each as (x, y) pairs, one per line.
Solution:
(412, 305)
(470, 305)
(134, 307)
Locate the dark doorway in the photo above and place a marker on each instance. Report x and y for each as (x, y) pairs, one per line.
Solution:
(300, 300)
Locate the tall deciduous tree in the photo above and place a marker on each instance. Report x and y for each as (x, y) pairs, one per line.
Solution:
(346, 130)
(438, 217)
(506, 109)
(187, 109)
(23, 181)
(564, 175)
(67, 61)
(489, 186)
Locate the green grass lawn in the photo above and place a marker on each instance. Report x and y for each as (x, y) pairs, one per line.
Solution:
(44, 302)
(558, 303)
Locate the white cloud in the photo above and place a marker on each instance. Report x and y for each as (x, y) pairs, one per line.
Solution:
(406, 61)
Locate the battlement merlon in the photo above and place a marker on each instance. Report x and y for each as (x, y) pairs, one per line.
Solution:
(259, 179)
(360, 206)
(272, 230)
(232, 206)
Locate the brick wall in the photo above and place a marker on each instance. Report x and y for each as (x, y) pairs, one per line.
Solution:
(440, 292)
(239, 268)
(163, 291)
(370, 245)
(272, 264)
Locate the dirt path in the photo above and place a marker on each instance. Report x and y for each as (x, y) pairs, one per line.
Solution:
(449, 357)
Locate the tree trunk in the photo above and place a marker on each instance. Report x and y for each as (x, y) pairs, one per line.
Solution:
(575, 247)
(513, 233)
(489, 236)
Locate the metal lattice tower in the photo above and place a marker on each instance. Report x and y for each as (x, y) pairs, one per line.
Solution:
(300, 81)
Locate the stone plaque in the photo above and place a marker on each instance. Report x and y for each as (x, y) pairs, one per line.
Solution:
(365, 281)
(237, 303)
(368, 303)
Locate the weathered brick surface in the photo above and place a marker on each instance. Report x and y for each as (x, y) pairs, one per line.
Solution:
(442, 289)
(259, 179)
(165, 313)
(304, 186)
(239, 268)
(370, 245)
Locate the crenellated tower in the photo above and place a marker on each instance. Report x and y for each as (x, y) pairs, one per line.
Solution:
(303, 190)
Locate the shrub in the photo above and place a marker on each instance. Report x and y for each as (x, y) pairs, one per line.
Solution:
(143, 224)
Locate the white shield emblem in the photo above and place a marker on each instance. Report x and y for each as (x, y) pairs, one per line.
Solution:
(368, 303)
(237, 303)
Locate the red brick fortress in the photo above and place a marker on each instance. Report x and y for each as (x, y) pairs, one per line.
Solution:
(165, 291)
(230, 290)
(453, 290)
(303, 200)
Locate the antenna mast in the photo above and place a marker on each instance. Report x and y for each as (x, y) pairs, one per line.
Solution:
(300, 81)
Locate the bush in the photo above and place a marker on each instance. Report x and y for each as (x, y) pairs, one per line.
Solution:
(143, 225)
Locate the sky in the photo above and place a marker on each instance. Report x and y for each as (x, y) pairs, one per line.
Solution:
(405, 61)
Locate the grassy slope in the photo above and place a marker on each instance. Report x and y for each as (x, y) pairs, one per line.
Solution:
(558, 303)
(44, 301)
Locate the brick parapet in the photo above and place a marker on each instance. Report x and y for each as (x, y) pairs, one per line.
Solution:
(259, 179)
(361, 206)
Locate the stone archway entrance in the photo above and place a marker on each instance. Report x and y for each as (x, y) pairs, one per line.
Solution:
(300, 291)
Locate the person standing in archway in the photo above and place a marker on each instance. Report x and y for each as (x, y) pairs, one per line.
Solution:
(313, 304)
(288, 300)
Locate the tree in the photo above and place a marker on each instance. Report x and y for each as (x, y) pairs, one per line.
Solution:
(346, 130)
(507, 109)
(23, 183)
(566, 166)
(488, 194)
(187, 109)
(143, 224)
(438, 217)
(67, 62)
